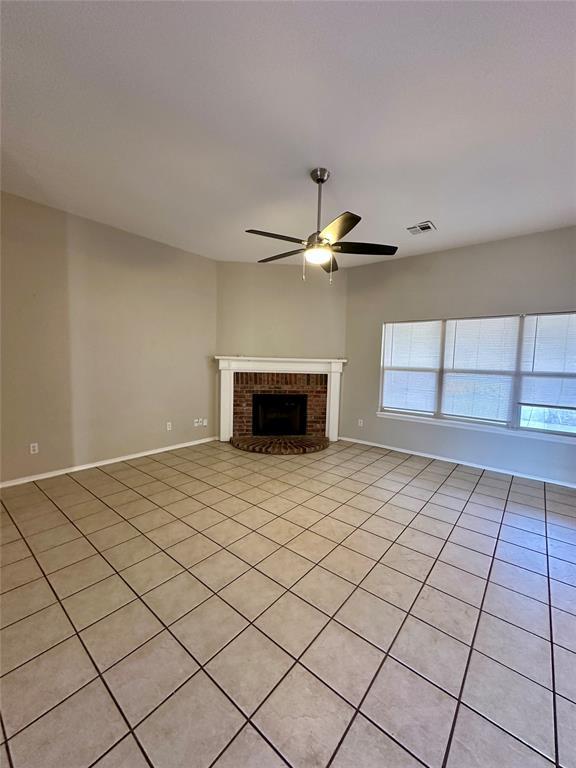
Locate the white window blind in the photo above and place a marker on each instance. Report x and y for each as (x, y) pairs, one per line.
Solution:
(548, 368)
(514, 371)
(411, 358)
(479, 362)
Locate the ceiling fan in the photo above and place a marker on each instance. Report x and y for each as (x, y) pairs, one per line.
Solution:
(322, 246)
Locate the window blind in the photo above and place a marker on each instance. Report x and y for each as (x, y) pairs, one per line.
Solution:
(515, 371)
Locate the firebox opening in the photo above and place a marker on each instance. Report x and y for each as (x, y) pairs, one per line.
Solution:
(279, 414)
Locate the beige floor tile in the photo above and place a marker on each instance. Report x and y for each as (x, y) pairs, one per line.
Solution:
(65, 554)
(477, 744)
(408, 561)
(285, 567)
(277, 505)
(446, 613)
(323, 589)
(152, 519)
(97, 601)
(432, 654)
(135, 508)
(151, 572)
(114, 637)
(171, 533)
(16, 574)
(34, 688)
(97, 521)
(253, 548)
(350, 515)
(514, 647)
(249, 750)
(292, 623)
(248, 668)
(421, 542)
(75, 733)
(564, 629)
(112, 536)
(565, 668)
(411, 710)
(254, 517)
(365, 746)
(466, 559)
(281, 531)
(566, 712)
(395, 587)
(458, 583)
(193, 550)
(252, 593)
(518, 705)
(219, 569)
(27, 638)
(126, 754)
(518, 609)
(332, 529)
(204, 518)
(177, 596)
(130, 552)
(207, 629)
(227, 532)
(371, 618)
(24, 600)
(311, 545)
(14, 551)
(304, 719)
(368, 544)
(197, 720)
(149, 675)
(80, 575)
(343, 660)
(347, 564)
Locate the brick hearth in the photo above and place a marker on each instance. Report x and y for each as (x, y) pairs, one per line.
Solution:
(312, 384)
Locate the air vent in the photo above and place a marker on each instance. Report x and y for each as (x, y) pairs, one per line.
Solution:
(421, 227)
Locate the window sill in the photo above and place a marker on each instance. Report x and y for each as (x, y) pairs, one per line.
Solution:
(553, 437)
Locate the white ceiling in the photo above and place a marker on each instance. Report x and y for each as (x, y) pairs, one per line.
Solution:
(189, 122)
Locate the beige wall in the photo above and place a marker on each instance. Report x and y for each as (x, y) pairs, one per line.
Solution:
(267, 310)
(534, 273)
(106, 336)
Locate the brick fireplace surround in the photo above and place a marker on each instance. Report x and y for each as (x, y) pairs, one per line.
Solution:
(241, 377)
(314, 385)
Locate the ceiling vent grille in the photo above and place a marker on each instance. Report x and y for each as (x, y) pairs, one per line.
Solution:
(421, 227)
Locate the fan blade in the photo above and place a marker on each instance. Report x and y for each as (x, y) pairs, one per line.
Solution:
(367, 249)
(340, 227)
(326, 267)
(280, 256)
(275, 236)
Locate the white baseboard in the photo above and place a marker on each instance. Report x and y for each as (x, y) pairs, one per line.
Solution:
(453, 460)
(56, 472)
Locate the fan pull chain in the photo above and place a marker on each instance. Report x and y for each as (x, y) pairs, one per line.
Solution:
(331, 263)
(304, 266)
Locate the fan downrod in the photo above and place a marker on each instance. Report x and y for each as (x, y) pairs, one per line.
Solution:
(320, 175)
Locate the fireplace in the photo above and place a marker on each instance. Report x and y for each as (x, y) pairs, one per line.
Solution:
(243, 377)
(279, 414)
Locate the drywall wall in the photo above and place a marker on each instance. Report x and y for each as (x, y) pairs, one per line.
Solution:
(533, 273)
(106, 336)
(267, 310)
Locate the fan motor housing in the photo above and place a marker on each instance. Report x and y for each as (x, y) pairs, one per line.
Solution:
(320, 175)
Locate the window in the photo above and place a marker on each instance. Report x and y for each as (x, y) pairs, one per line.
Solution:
(411, 355)
(548, 381)
(514, 371)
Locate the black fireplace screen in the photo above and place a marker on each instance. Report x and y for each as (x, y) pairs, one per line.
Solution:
(279, 414)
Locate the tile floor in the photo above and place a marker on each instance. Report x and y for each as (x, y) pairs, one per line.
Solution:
(355, 608)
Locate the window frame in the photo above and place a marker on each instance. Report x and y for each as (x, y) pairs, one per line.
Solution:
(517, 375)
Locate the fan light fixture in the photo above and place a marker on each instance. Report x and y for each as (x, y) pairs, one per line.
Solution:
(322, 246)
(318, 254)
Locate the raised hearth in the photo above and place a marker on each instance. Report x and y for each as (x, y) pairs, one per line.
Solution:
(281, 446)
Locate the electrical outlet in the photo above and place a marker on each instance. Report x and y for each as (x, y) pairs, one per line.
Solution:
(168, 426)
(34, 448)
(205, 422)
(196, 422)
(360, 422)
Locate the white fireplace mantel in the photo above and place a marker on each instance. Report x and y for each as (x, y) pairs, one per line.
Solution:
(229, 365)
